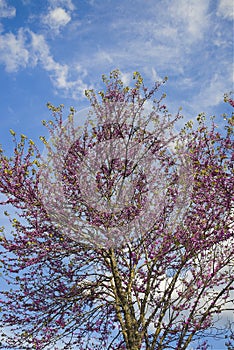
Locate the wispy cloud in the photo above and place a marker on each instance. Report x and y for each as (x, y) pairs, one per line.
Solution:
(6, 11)
(211, 94)
(163, 37)
(28, 49)
(65, 77)
(191, 17)
(226, 9)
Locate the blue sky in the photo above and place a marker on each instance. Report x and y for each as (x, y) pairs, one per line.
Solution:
(52, 50)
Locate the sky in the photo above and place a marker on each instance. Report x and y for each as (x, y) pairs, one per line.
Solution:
(52, 50)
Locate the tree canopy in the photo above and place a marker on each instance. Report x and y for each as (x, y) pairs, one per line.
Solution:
(123, 236)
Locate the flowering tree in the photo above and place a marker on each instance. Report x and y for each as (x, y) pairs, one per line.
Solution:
(124, 235)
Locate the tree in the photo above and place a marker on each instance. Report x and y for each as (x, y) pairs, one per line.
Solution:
(124, 235)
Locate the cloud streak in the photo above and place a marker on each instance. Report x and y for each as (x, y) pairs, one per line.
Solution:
(60, 74)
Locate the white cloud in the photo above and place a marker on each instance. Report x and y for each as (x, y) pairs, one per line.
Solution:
(212, 91)
(13, 51)
(226, 9)
(126, 78)
(168, 38)
(190, 17)
(64, 77)
(5, 10)
(27, 48)
(164, 36)
(176, 23)
(56, 19)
